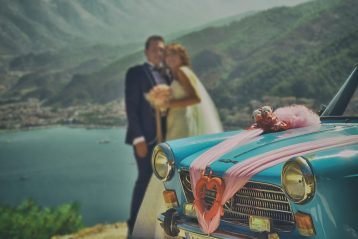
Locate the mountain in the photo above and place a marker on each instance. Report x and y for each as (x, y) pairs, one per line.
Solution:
(43, 75)
(217, 23)
(107, 84)
(45, 44)
(304, 51)
(297, 54)
(37, 25)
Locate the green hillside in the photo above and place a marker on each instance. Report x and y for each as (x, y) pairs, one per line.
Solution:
(37, 25)
(43, 75)
(49, 48)
(217, 23)
(280, 56)
(100, 87)
(301, 53)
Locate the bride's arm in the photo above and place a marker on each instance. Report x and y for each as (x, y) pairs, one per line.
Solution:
(192, 97)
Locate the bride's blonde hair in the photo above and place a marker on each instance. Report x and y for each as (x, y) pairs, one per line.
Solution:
(181, 51)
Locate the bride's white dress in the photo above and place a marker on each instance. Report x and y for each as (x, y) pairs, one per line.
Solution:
(192, 120)
(177, 123)
(183, 122)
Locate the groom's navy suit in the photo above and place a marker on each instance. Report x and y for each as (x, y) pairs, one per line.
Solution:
(141, 116)
(140, 80)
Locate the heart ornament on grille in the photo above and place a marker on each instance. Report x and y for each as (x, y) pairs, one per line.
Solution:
(208, 183)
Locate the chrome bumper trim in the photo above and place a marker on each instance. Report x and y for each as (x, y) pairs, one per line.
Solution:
(193, 228)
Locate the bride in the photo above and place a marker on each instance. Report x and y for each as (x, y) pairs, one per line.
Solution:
(190, 112)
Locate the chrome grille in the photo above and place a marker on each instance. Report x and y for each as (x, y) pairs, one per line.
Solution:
(254, 199)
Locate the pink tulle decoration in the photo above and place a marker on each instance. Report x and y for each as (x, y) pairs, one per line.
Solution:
(236, 177)
(297, 116)
(239, 174)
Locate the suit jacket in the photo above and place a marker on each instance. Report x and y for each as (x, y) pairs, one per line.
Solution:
(140, 115)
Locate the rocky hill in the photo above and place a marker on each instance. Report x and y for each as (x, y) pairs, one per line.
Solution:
(279, 56)
(41, 24)
(301, 54)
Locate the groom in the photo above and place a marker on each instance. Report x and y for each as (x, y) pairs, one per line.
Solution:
(141, 131)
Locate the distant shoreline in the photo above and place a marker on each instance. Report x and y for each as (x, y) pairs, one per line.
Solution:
(60, 125)
(32, 114)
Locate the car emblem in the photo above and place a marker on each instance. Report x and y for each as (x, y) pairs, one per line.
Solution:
(228, 161)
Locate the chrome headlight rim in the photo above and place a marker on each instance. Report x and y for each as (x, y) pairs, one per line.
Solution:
(159, 149)
(308, 176)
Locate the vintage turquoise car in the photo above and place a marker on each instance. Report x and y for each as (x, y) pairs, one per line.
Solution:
(313, 195)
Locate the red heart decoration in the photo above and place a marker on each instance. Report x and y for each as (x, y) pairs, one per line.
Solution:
(209, 183)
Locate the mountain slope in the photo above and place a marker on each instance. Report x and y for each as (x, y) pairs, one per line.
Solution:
(41, 24)
(271, 57)
(304, 51)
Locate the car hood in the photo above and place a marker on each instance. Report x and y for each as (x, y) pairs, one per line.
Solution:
(269, 142)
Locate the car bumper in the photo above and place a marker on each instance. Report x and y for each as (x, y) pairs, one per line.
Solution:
(192, 230)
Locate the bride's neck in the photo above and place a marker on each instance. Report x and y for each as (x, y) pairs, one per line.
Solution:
(175, 71)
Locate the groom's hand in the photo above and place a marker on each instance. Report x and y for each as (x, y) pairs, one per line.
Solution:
(141, 149)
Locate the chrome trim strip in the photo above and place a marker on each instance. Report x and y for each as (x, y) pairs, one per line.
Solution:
(261, 208)
(262, 199)
(261, 190)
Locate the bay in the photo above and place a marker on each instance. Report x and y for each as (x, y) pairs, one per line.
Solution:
(60, 164)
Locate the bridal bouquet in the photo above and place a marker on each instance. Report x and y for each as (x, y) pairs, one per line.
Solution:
(159, 96)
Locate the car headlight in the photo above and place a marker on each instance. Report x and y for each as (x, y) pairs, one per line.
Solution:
(298, 180)
(163, 168)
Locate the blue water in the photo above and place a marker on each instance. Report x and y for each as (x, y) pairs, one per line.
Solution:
(61, 165)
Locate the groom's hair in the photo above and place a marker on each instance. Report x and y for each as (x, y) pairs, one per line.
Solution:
(153, 38)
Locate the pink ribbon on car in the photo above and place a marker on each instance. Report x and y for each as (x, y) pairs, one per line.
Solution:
(239, 174)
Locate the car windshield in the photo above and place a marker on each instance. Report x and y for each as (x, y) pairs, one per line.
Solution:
(345, 102)
(352, 107)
